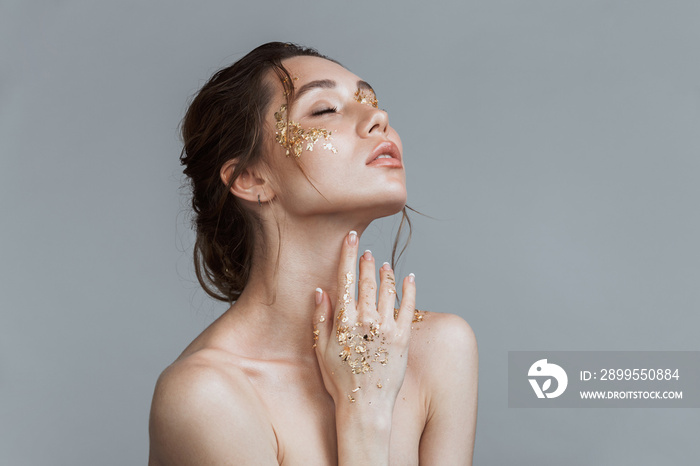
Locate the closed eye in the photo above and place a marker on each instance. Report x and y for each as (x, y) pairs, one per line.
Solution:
(324, 111)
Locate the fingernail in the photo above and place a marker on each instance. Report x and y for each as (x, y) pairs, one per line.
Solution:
(367, 255)
(352, 240)
(386, 266)
(319, 296)
(411, 278)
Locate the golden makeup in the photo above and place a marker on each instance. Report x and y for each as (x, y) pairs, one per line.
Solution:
(391, 282)
(366, 96)
(293, 137)
(417, 315)
(359, 347)
(316, 333)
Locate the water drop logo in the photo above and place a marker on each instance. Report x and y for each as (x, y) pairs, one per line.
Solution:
(546, 371)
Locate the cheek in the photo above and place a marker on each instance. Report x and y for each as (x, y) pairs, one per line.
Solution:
(330, 164)
(295, 139)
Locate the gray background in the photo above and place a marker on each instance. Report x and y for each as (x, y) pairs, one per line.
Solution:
(556, 142)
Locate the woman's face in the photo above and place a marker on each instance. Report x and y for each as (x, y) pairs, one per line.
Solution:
(340, 138)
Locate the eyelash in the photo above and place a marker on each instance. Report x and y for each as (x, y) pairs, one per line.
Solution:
(324, 111)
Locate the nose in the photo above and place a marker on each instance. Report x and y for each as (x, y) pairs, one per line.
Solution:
(375, 121)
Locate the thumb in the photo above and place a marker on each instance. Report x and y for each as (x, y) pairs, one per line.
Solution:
(322, 319)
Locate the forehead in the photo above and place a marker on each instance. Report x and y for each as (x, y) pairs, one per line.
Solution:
(305, 69)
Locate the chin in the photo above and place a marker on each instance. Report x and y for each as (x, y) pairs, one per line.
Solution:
(391, 204)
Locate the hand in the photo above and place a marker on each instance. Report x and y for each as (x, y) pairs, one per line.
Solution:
(362, 346)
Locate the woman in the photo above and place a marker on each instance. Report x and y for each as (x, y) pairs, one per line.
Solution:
(290, 159)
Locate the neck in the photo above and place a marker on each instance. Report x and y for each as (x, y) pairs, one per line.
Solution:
(277, 304)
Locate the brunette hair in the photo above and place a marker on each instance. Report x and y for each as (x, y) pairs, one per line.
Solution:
(225, 121)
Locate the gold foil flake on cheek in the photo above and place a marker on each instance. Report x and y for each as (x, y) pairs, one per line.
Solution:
(290, 135)
(366, 96)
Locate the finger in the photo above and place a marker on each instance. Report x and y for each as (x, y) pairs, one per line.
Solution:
(408, 305)
(346, 276)
(367, 287)
(387, 293)
(322, 320)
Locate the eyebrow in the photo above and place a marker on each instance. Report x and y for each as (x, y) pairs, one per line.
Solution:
(327, 84)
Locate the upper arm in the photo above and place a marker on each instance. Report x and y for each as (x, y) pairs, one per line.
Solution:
(452, 375)
(200, 415)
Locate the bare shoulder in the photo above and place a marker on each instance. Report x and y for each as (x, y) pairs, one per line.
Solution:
(446, 358)
(441, 340)
(205, 411)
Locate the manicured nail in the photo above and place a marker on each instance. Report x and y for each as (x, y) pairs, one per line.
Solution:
(367, 255)
(352, 240)
(386, 266)
(319, 296)
(411, 278)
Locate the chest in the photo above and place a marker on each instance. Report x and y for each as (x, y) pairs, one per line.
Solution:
(303, 418)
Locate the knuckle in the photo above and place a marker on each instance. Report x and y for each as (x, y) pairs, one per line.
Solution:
(366, 322)
(388, 280)
(366, 283)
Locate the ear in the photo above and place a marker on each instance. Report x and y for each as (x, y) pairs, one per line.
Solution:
(250, 185)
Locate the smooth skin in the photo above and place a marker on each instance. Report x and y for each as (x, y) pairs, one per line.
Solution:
(251, 389)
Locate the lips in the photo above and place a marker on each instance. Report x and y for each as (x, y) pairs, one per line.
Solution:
(386, 154)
